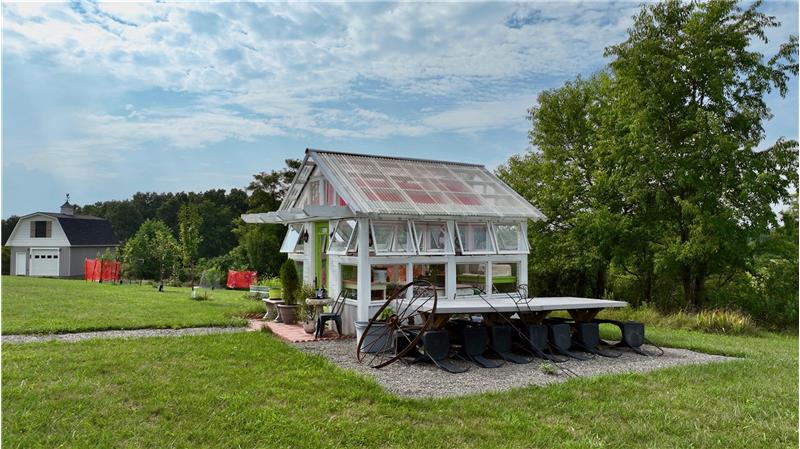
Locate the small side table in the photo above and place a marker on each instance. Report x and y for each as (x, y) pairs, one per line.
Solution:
(272, 307)
(318, 305)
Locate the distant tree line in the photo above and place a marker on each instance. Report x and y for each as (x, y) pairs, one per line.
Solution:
(198, 231)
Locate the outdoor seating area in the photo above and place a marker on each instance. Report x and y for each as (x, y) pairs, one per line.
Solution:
(427, 262)
(415, 326)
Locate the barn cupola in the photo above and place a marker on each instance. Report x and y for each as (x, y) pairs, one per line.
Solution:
(66, 208)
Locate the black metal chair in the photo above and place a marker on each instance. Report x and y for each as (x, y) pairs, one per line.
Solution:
(334, 315)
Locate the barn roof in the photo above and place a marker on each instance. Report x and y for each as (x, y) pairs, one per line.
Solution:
(84, 230)
(386, 185)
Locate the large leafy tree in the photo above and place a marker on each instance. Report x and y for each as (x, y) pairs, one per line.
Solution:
(152, 252)
(261, 243)
(688, 128)
(653, 169)
(571, 249)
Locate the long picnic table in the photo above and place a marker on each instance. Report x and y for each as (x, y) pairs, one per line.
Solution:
(531, 310)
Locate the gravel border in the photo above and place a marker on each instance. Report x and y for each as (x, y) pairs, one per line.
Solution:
(425, 380)
(132, 333)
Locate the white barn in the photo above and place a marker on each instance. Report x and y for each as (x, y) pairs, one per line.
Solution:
(363, 224)
(55, 244)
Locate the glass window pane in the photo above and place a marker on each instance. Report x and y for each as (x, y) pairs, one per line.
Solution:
(340, 238)
(474, 238)
(391, 237)
(382, 236)
(508, 237)
(293, 242)
(402, 239)
(349, 278)
(386, 279)
(433, 273)
(470, 278)
(504, 277)
(432, 237)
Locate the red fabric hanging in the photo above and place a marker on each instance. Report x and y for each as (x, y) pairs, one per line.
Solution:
(97, 270)
(241, 279)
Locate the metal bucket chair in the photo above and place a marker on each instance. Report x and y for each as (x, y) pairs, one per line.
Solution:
(334, 315)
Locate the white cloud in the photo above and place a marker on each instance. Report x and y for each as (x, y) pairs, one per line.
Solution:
(359, 70)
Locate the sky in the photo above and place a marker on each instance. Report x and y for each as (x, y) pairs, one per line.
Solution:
(104, 100)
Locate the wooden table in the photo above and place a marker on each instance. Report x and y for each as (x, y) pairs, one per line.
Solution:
(533, 311)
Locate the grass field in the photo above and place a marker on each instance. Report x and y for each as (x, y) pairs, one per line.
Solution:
(36, 305)
(250, 390)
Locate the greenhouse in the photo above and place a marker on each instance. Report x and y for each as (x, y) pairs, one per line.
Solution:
(362, 225)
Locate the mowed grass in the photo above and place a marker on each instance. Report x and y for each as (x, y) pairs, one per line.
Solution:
(250, 391)
(37, 305)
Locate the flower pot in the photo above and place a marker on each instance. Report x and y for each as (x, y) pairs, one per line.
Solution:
(274, 293)
(309, 326)
(288, 313)
(376, 339)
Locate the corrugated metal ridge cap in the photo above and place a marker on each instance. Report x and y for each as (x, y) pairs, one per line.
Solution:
(396, 158)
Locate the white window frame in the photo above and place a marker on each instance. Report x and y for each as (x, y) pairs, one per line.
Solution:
(489, 238)
(449, 249)
(349, 242)
(303, 230)
(411, 249)
(522, 239)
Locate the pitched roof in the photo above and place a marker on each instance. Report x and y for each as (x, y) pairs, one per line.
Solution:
(386, 185)
(85, 230)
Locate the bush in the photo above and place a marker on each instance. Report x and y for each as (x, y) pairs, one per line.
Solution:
(290, 281)
(213, 278)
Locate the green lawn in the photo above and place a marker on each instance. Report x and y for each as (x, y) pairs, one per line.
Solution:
(36, 305)
(250, 390)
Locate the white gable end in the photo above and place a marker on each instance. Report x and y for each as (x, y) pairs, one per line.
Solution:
(21, 235)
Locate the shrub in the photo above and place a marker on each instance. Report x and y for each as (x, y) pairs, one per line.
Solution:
(290, 281)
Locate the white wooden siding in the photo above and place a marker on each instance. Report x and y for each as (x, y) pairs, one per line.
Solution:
(20, 236)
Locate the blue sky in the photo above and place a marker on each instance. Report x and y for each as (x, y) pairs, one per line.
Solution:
(104, 100)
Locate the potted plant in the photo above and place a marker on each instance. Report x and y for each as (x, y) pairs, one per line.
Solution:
(290, 283)
(274, 285)
(378, 336)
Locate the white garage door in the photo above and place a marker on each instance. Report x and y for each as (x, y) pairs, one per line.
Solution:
(44, 261)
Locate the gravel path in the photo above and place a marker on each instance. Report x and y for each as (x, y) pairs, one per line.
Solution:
(133, 333)
(425, 380)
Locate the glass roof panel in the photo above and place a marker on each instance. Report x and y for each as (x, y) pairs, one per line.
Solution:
(382, 185)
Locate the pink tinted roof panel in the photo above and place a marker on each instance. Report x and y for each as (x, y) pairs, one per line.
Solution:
(395, 186)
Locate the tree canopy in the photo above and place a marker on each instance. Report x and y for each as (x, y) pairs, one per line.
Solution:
(655, 170)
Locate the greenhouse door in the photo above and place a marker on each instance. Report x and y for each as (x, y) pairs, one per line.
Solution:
(321, 255)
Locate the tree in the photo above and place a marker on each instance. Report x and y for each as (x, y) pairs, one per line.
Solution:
(267, 189)
(290, 282)
(688, 124)
(565, 177)
(8, 227)
(152, 252)
(189, 223)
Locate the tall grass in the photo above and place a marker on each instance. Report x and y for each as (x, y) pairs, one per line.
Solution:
(720, 321)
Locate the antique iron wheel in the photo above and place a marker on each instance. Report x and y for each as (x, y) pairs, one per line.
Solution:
(396, 328)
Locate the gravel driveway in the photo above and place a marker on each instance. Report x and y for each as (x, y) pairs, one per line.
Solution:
(425, 380)
(133, 333)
